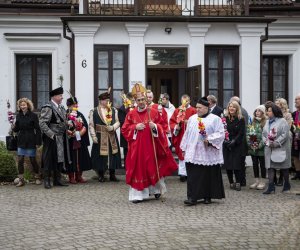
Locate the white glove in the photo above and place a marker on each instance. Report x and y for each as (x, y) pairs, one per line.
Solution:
(95, 139)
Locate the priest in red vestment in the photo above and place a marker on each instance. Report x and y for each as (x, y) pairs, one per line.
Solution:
(148, 159)
(178, 123)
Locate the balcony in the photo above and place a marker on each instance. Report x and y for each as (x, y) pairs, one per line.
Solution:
(196, 8)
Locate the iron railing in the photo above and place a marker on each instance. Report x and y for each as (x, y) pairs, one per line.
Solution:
(166, 7)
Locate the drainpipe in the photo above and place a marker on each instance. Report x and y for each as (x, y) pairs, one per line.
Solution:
(263, 39)
(72, 56)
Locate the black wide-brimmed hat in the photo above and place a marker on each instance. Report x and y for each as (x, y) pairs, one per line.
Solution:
(72, 101)
(57, 91)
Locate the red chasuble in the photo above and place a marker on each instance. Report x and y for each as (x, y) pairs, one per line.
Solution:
(164, 117)
(141, 168)
(176, 140)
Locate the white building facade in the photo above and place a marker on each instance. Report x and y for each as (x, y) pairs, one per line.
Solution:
(256, 58)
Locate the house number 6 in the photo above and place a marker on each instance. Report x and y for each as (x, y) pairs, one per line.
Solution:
(83, 64)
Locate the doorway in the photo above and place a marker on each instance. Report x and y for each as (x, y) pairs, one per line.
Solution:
(163, 81)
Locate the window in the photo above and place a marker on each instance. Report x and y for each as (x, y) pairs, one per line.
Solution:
(166, 57)
(34, 78)
(274, 82)
(111, 71)
(222, 72)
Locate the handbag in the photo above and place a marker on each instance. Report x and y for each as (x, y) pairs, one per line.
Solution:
(278, 155)
(11, 143)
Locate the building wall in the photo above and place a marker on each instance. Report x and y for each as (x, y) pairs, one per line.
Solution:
(58, 48)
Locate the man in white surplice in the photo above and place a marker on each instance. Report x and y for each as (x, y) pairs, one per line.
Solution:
(202, 146)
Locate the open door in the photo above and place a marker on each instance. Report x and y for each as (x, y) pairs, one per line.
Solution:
(193, 83)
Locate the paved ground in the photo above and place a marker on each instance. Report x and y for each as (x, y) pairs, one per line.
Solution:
(99, 216)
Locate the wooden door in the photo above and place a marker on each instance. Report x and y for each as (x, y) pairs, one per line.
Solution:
(163, 81)
(193, 83)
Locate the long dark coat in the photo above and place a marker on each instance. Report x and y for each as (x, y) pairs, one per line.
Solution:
(122, 115)
(295, 151)
(81, 155)
(28, 129)
(233, 157)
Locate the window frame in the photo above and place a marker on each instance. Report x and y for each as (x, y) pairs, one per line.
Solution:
(110, 49)
(270, 75)
(220, 85)
(34, 85)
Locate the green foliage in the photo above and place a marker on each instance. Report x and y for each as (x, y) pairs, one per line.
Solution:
(8, 167)
(28, 174)
(3, 146)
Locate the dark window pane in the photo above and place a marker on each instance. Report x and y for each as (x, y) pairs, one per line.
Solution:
(264, 97)
(25, 74)
(264, 83)
(102, 59)
(118, 59)
(27, 94)
(265, 66)
(278, 94)
(118, 79)
(213, 79)
(117, 100)
(228, 59)
(279, 66)
(103, 79)
(213, 59)
(228, 79)
(278, 83)
(43, 67)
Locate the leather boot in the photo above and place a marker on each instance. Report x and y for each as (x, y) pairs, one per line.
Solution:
(112, 176)
(271, 189)
(72, 178)
(47, 184)
(56, 180)
(101, 176)
(78, 176)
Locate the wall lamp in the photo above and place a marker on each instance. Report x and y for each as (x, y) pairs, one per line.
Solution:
(168, 30)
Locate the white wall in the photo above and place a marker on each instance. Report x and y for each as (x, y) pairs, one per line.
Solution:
(59, 49)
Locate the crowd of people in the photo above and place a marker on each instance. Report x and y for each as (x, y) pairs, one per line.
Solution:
(205, 138)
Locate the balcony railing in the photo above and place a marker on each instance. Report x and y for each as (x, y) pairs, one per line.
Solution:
(197, 8)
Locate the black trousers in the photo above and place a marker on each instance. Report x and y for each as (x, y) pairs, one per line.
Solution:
(259, 163)
(33, 162)
(237, 175)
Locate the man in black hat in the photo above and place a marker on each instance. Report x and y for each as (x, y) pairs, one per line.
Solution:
(103, 123)
(53, 125)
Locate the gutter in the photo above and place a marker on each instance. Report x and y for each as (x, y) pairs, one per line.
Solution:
(72, 56)
(262, 40)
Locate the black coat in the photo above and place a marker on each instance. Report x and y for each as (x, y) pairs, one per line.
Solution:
(295, 152)
(122, 112)
(217, 111)
(28, 130)
(233, 156)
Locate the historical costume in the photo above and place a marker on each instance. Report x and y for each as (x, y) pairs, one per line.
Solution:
(202, 147)
(53, 124)
(103, 123)
(149, 159)
(78, 143)
(178, 123)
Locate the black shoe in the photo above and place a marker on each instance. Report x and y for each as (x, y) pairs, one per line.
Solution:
(47, 184)
(271, 189)
(113, 178)
(232, 185)
(207, 201)
(157, 196)
(101, 179)
(182, 178)
(58, 183)
(238, 187)
(136, 201)
(190, 202)
(296, 177)
(243, 183)
(286, 187)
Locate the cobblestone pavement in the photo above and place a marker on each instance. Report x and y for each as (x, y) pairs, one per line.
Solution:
(99, 216)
